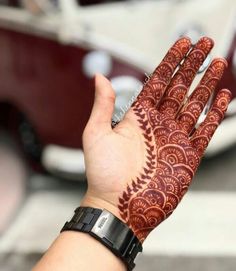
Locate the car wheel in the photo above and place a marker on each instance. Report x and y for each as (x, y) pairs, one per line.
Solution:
(13, 177)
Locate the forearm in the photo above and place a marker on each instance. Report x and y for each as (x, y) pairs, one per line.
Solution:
(76, 251)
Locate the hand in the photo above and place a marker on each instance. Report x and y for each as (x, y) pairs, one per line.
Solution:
(141, 169)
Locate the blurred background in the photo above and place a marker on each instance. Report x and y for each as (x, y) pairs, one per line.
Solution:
(49, 52)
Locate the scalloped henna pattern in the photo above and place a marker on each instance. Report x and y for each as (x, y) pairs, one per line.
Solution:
(173, 153)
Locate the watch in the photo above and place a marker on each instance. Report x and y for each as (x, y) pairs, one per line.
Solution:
(107, 229)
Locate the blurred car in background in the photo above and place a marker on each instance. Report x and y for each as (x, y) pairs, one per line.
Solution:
(50, 51)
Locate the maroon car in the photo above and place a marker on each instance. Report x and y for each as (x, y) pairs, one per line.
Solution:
(49, 53)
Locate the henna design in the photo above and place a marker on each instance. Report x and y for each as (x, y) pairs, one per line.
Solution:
(182, 80)
(155, 87)
(172, 155)
(204, 133)
(197, 101)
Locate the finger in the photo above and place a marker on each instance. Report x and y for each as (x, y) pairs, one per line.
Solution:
(179, 85)
(154, 89)
(205, 131)
(193, 108)
(103, 106)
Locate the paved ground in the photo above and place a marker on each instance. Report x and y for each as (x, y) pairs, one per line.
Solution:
(199, 236)
(145, 263)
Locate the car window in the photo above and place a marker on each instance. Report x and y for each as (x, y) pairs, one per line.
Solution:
(93, 2)
(10, 3)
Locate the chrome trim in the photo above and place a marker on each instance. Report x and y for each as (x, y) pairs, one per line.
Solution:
(64, 162)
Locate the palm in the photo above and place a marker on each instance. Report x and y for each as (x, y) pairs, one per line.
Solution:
(149, 159)
(121, 150)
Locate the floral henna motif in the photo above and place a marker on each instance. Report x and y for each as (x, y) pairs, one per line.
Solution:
(172, 152)
(204, 133)
(182, 80)
(197, 101)
(161, 77)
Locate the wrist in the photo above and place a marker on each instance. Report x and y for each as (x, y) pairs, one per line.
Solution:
(78, 251)
(94, 202)
(102, 225)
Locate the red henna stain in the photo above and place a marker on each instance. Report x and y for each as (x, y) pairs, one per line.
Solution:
(197, 101)
(172, 153)
(182, 80)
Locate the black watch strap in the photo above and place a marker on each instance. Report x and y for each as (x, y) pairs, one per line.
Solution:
(107, 229)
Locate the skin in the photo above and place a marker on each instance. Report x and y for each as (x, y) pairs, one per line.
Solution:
(151, 156)
(76, 251)
(140, 169)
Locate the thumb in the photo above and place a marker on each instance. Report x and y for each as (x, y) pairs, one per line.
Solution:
(104, 102)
